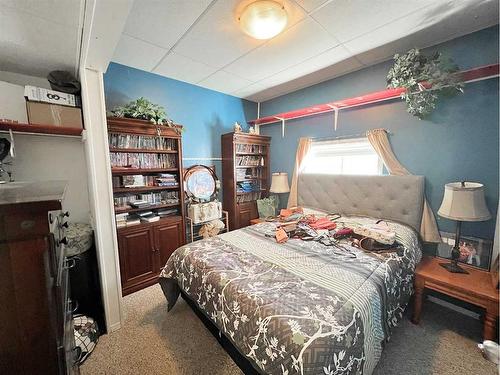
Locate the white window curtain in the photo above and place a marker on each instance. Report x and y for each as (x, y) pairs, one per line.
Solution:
(302, 150)
(380, 142)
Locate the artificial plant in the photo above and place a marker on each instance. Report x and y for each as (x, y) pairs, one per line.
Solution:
(425, 78)
(143, 109)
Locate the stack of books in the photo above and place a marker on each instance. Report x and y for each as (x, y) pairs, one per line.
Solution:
(132, 181)
(166, 179)
(121, 220)
(166, 212)
(148, 217)
(125, 220)
(140, 204)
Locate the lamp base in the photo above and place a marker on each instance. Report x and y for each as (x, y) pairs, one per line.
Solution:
(453, 267)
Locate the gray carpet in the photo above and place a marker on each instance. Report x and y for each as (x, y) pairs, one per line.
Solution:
(153, 341)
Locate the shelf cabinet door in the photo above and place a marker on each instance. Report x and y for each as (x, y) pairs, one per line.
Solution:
(246, 212)
(168, 237)
(137, 257)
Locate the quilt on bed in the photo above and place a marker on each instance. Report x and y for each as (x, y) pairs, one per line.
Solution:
(299, 307)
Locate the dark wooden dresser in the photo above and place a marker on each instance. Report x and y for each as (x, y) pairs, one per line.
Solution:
(36, 321)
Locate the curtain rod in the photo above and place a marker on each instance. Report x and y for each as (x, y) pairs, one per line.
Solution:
(359, 135)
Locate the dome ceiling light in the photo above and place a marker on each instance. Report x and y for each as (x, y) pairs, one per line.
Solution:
(263, 19)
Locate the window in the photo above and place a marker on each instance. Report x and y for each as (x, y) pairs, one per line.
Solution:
(348, 156)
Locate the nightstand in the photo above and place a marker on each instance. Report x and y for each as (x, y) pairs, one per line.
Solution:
(256, 221)
(474, 287)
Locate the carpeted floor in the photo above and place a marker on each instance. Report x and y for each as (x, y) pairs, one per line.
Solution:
(153, 341)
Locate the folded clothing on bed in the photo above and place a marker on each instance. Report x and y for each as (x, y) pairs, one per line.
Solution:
(380, 232)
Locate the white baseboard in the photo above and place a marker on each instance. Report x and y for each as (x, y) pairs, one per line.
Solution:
(114, 327)
(453, 307)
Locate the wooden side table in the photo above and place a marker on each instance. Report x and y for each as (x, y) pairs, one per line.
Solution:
(475, 288)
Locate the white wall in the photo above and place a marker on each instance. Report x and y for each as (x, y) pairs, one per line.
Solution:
(41, 157)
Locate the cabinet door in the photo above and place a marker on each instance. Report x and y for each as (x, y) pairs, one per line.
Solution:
(137, 257)
(246, 212)
(168, 237)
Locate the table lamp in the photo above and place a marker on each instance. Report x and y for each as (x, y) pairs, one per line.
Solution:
(279, 184)
(462, 201)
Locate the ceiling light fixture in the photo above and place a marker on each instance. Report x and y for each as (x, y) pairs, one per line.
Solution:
(263, 19)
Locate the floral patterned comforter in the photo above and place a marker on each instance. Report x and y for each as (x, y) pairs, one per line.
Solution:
(299, 307)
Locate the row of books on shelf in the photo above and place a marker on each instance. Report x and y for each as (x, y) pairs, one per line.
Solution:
(142, 141)
(248, 197)
(242, 174)
(247, 186)
(143, 200)
(254, 149)
(127, 220)
(137, 180)
(253, 161)
(141, 160)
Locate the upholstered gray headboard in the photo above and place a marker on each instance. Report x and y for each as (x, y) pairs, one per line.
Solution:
(398, 198)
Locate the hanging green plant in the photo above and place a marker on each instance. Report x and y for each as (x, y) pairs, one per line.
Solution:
(143, 109)
(413, 68)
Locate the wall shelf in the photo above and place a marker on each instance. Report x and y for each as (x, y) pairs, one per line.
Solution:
(23, 128)
(467, 76)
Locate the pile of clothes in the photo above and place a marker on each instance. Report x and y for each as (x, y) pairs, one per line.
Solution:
(329, 231)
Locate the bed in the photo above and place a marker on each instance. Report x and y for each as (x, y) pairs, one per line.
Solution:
(303, 307)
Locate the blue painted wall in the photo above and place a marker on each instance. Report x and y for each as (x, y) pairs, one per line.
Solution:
(459, 141)
(205, 114)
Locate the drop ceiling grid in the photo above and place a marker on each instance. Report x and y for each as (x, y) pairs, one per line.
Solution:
(227, 60)
(297, 14)
(160, 67)
(239, 74)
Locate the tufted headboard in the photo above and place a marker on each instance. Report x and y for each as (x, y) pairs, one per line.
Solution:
(398, 198)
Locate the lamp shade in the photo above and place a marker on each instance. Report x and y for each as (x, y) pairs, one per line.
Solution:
(464, 201)
(279, 183)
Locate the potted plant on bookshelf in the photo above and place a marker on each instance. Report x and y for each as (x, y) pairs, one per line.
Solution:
(143, 109)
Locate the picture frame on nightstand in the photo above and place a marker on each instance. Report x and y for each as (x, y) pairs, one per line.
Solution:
(474, 251)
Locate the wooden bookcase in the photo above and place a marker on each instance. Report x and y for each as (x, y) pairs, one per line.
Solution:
(245, 159)
(145, 248)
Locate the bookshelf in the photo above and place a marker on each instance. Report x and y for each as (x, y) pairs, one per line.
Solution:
(246, 175)
(146, 169)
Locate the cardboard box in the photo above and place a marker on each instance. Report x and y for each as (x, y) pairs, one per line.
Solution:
(53, 114)
(39, 94)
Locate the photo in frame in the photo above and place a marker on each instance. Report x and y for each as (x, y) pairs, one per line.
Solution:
(474, 251)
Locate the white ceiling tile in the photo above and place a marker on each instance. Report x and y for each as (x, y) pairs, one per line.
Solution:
(64, 12)
(299, 43)
(224, 82)
(271, 90)
(35, 46)
(348, 19)
(183, 68)
(424, 28)
(163, 22)
(323, 60)
(250, 89)
(137, 54)
(310, 5)
(217, 38)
